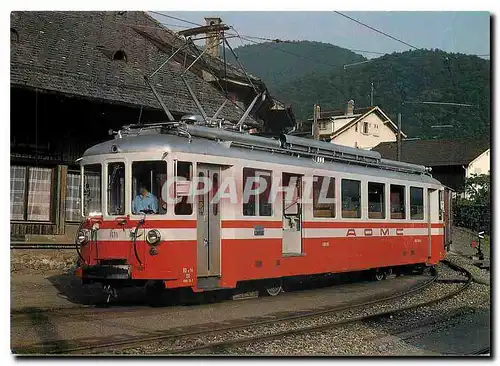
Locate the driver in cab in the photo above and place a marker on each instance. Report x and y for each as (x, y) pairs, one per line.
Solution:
(145, 202)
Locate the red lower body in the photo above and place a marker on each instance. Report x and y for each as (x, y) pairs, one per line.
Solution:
(260, 258)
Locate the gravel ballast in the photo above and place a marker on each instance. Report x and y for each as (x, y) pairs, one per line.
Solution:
(350, 339)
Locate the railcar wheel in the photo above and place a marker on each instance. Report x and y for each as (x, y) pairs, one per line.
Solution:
(387, 273)
(274, 288)
(378, 275)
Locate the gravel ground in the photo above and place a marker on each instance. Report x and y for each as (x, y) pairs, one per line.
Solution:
(40, 260)
(341, 340)
(363, 338)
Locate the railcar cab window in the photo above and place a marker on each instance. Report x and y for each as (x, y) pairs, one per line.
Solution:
(183, 179)
(148, 178)
(116, 188)
(255, 195)
(323, 196)
(398, 206)
(416, 203)
(376, 200)
(92, 177)
(351, 198)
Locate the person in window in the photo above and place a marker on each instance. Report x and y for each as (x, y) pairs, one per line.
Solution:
(145, 201)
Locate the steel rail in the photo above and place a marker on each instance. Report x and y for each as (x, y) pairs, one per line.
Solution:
(486, 351)
(138, 341)
(42, 246)
(129, 343)
(266, 337)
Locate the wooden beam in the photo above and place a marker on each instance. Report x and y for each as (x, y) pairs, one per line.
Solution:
(60, 199)
(203, 29)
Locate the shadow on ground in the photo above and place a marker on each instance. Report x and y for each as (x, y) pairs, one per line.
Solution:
(70, 288)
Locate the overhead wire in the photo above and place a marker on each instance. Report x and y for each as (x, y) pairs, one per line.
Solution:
(377, 30)
(277, 40)
(172, 17)
(250, 39)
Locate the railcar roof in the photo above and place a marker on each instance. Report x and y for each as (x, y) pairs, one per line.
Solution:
(173, 143)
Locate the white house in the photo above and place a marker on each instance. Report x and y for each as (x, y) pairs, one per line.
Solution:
(480, 165)
(365, 129)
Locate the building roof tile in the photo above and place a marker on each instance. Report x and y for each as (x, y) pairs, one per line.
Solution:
(435, 152)
(72, 52)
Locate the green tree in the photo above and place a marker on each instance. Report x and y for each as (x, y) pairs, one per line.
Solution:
(477, 190)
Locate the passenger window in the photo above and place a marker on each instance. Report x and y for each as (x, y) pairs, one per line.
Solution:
(323, 196)
(416, 203)
(291, 194)
(116, 189)
(441, 205)
(183, 178)
(148, 178)
(376, 200)
(215, 188)
(201, 197)
(351, 198)
(255, 199)
(398, 210)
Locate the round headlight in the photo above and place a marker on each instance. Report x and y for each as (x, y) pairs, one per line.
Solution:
(153, 237)
(82, 237)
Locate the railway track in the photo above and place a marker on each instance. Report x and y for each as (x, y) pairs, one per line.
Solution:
(482, 352)
(47, 246)
(227, 344)
(191, 342)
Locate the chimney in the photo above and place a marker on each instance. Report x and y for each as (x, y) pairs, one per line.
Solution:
(212, 43)
(213, 38)
(350, 108)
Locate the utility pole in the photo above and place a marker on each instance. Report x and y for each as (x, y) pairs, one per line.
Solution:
(399, 136)
(315, 127)
(371, 96)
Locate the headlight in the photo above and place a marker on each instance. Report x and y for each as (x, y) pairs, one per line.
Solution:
(82, 237)
(153, 237)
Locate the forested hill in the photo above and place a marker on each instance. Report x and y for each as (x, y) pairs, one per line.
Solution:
(278, 63)
(413, 76)
(421, 75)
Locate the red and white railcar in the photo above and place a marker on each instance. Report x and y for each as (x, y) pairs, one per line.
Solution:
(379, 215)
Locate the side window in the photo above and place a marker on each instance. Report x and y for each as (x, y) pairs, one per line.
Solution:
(116, 188)
(398, 210)
(441, 205)
(183, 178)
(376, 200)
(201, 197)
(148, 178)
(351, 198)
(416, 203)
(215, 188)
(291, 194)
(323, 196)
(255, 198)
(365, 127)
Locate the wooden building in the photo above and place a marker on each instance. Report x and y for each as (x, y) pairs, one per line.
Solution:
(450, 160)
(74, 76)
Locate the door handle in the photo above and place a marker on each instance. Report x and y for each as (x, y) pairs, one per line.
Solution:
(205, 242)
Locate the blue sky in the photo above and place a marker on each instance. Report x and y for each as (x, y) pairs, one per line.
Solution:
(464, 32)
